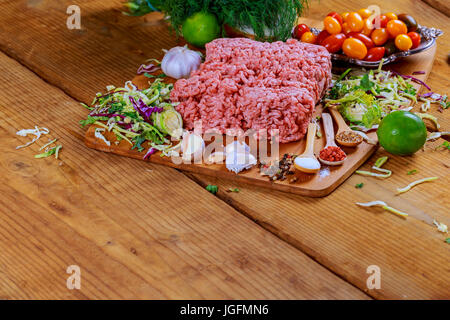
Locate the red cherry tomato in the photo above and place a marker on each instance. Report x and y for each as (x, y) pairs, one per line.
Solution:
(332, 25)
(334, 42)
(415, 38)
(365, 39)
(337, 16)
(322, 36)
(382, 20)
(375, 54)
(300, 30)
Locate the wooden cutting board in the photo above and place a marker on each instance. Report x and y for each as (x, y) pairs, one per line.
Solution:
(317, 185)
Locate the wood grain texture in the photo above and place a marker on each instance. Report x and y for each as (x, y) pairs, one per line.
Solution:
(342, 237)
(136, 230)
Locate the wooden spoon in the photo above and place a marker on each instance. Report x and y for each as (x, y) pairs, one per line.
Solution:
(329, 134)
(307, 161)
(343, 128)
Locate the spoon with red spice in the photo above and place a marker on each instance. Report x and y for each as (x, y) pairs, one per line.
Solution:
(331, 155)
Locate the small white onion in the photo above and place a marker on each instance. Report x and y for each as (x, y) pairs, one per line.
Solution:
(179, 62)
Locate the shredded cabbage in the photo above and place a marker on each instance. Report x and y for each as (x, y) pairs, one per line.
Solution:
(384, 206)
(364, 99)
(429, 117)
(415, 183)
(37, 132)
(138, 116)
(441, 227)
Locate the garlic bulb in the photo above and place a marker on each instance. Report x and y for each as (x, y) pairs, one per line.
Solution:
(179, 62)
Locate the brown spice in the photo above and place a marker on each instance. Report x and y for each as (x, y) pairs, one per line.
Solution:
(349, 137)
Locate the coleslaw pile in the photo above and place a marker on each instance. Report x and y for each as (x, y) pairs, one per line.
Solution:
(364, 98)
(137, 116)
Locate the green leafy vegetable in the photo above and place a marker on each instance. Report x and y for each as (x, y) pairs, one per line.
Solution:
(412, 172)
(359, 185)
(213, 189)
(447, 240)
(91, 120)
(445, 145)
(151, 76)
(52, 151)
(233, 190)
(366, 84)
(268, 19)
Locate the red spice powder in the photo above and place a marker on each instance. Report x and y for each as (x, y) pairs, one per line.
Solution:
(332, 154)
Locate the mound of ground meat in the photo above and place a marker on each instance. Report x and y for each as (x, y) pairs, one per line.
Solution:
(245, 84)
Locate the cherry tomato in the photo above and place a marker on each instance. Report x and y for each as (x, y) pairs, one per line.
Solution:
(355, 22)
(354, 48)
(375, 54)
(332, 25)
(415, 38)
(410, 22)
(365, 39)
(300, 30)
(322, 36)
(391, 16)
(334, 42)
(308, 37)
(396, 27)
(368, 27)
(364, 13)
(346, 28)
(390, 48)
(382, 20)
(344, 16)
(403, 42)
(336, 16)
(380, 36)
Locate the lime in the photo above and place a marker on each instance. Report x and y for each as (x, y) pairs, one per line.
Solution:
(402, 133)
(201, 28)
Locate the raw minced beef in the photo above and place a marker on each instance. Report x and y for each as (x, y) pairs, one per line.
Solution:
(245, 84)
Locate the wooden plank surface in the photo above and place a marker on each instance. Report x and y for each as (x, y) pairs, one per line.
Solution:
(136, 230)
(333, 231)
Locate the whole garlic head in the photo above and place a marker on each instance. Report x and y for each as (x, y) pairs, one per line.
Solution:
(179, 62)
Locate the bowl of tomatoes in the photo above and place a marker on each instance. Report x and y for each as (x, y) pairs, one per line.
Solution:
(365, 38)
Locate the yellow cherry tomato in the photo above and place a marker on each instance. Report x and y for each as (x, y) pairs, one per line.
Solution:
(380, 36)
(355, 22)
(332, 25)
(396, 27)
(364, 13)
(308, 37)
(345, 28)
(354, 48)
(403, 42)
(391, 16)
(344, 16)
(368, 27)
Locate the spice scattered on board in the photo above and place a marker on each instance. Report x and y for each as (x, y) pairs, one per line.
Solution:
(279, 170)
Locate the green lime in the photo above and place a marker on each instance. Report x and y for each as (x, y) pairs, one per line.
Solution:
(402, 133)
(201, 28)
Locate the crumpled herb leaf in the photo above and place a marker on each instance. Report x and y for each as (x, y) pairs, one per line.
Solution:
(212, 188)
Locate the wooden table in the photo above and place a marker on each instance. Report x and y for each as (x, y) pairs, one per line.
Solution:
(138, 230)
